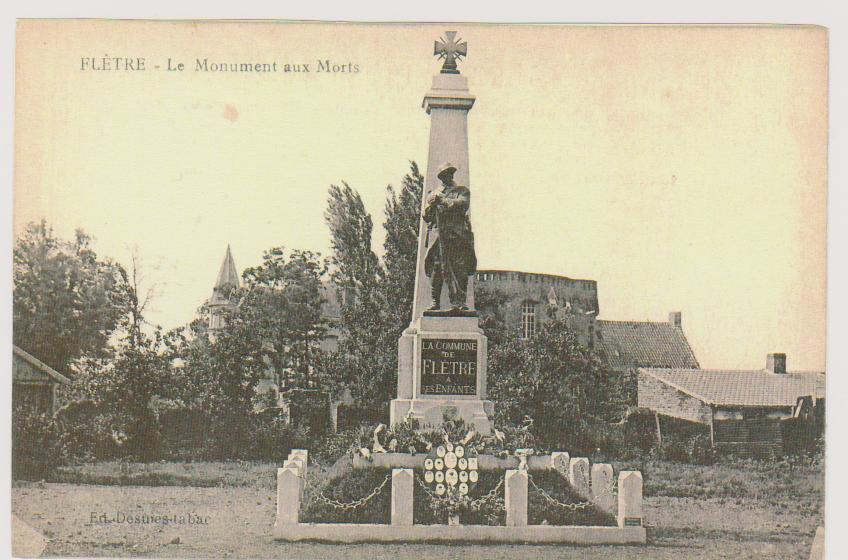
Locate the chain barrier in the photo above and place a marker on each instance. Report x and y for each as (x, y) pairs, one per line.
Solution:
(574, 506)
(473, 504)
(319, 495)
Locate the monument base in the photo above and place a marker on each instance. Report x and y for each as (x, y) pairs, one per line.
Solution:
(432, 413)
(442, 372)
(450, 313)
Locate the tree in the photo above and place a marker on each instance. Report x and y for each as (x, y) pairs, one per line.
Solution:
(275, 327)
(377, 296)
(554, 380)
(279, 312)
(402, 219)
(490, 303)
(67, 301)
(124, 384)
(355, 266)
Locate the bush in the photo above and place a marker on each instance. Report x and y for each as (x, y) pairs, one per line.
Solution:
(333, 447)
(640, 429)
(675, 451)
(429, 510)
(351, 486)
(272, 438)
(356, 484)
(33, 445)
(85, 432)
(540, 511)
(701, 451)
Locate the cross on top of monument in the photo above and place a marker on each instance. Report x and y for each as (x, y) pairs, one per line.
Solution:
(451, 50)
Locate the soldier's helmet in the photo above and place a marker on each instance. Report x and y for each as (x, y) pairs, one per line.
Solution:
(445, 169)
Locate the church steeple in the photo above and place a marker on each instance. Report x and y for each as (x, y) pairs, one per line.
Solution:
(227, 281)
(227, 275)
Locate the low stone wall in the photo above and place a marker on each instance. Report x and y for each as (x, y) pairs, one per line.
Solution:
(348, 533)
(596, 483)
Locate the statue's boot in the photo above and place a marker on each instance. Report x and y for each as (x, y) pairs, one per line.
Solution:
(435, 292)
(458, 303)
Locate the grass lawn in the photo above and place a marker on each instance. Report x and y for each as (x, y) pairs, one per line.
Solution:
(738, 511)
(203, 474)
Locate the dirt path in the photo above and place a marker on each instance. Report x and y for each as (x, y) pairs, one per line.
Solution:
(236, 522)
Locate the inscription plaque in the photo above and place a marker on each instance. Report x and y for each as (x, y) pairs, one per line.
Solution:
(448, 366)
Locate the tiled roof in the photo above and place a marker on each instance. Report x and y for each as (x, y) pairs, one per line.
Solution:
(819, 380)
(742, 387)
(628, 344)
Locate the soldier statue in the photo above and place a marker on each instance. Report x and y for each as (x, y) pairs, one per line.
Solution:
(451, 256)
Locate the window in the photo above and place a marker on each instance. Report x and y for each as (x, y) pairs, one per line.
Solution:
(528, 319)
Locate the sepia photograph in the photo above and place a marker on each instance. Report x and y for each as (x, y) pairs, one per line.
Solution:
(290, 289)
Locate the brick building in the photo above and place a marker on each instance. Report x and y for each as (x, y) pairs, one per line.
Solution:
(533, 299)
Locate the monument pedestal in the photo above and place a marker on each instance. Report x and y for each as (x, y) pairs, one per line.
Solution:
(442, 355)
(442, 373)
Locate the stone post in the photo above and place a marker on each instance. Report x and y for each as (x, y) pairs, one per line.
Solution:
(402, 491)
(515, 498)
(560, 461)
(629, 499)
(602, 486)
(817, 550)
(300, 454)
(299, 467)
(578, 476)
(288, 495)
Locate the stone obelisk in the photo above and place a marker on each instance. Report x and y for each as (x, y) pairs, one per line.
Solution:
(442, 355)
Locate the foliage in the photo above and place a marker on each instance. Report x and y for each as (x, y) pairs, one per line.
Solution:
(273, 438)
(279, 315)
(376, 296)
(67, 301)
(429, 509)
(402, 218)
(352, 485)
(541, 512)
(192, 383)
(32, 444)
(275, 327)
(122, 385)
(334, 446)
(356, 267)
(85, 431)
(491, 303)
(639, 429)
(357, 483)
(552, 381)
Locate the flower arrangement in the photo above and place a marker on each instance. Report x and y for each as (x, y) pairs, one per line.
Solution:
(407, 437)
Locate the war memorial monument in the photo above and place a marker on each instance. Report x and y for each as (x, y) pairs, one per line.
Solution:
(442, 384)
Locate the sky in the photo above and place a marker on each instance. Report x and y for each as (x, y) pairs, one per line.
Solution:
(682, 168)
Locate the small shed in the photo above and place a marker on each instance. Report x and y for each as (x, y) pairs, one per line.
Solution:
(750, 412)
(34, 382)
